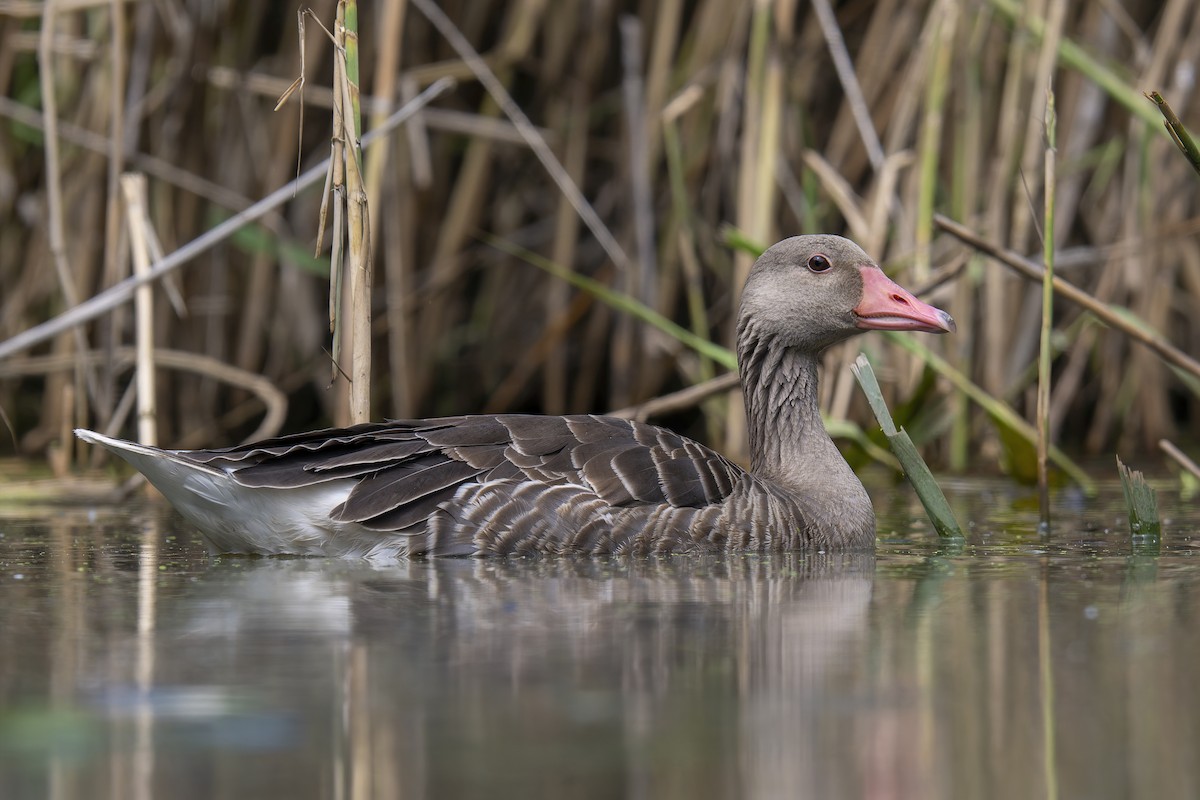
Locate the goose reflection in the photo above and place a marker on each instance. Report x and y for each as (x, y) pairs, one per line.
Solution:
(590, 676)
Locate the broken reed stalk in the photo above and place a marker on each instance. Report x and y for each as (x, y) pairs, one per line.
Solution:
(133, 186)
(357, 216)
(1142, 504)
(1043, 388)
(335, 187)
(351, 230)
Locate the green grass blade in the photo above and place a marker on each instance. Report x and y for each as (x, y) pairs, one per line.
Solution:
(870, 386)
(915, 469)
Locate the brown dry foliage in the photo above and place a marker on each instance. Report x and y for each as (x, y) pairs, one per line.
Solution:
(769, 143)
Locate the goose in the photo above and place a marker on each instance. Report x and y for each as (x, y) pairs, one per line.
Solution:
(512, 484)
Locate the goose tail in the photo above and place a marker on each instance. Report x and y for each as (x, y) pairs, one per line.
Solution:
(153, 462)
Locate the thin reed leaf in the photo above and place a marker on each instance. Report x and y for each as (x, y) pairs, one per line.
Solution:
(1178, 132)
(915, 469)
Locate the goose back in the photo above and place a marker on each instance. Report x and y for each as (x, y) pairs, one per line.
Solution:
(512, 484)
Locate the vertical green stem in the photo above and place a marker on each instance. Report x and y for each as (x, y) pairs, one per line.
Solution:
(1043, 394)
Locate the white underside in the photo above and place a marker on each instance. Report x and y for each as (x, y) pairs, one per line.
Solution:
(240, 519)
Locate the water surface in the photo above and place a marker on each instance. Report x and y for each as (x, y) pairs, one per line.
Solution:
(134, 665)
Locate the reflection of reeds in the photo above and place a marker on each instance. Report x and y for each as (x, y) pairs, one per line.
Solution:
(619, 157)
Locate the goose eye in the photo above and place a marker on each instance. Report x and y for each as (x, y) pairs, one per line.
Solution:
(819, 263)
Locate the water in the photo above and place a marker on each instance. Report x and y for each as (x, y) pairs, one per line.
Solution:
(133, 665)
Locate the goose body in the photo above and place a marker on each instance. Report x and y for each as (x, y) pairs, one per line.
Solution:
(514, 484)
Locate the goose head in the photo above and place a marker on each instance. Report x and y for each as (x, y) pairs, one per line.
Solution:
(811, 292)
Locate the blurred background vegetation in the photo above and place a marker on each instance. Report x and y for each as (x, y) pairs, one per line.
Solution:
(678, 121)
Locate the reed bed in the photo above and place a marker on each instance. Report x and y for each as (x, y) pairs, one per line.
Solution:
(620, 142)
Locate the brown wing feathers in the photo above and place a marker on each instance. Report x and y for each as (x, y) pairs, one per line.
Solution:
(405, 470)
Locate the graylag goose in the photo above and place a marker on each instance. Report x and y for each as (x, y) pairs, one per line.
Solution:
(514, 484)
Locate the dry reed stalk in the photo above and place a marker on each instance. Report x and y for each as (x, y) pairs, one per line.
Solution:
(758, 154)
(133, 188)
(470, 187)
(54, 201)
(397, 269)
(254, 340)
(849, 80)
(573, 131)
(462, 210)
(966, 186)
(440, 119)
(1122, 192)
(998, 287)
(579, 64)
(1179, 457)
(888, 41)
(1165, 350)
(269, 396)
(537, 143)
(113, 268)
(693, 276)
(681, 400)
(627, 372)
(153, 167)
(930, 147)
(663, 44)
(120, 294)
(357, 217)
